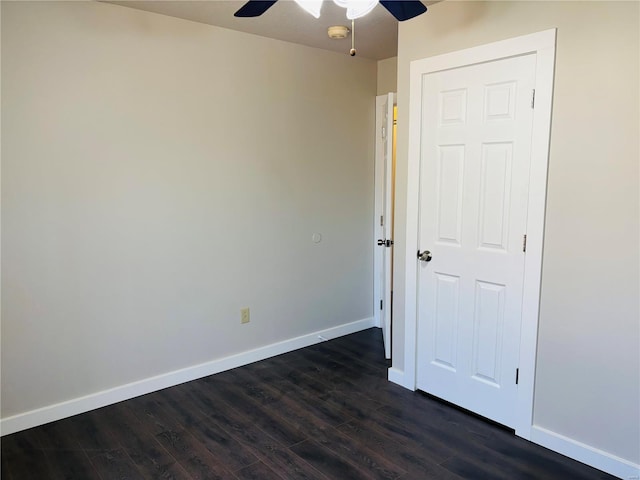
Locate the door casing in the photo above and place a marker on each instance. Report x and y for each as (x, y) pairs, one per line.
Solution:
(543, 44)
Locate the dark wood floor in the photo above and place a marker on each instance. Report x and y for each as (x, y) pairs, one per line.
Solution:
(323, 412)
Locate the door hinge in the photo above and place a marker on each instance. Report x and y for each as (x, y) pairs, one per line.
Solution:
(381, 220)
(517, 375)
(533, 98)
(380, 304)
(524, 242)
(384, 132)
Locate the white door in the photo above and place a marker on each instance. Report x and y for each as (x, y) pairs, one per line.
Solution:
(383, 215)
(476, 128)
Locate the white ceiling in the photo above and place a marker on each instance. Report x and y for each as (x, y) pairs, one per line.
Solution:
(376, 34)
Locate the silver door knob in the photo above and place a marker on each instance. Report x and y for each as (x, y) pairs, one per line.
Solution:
(424, 256)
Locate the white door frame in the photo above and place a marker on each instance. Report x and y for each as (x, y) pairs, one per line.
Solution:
(543, 44)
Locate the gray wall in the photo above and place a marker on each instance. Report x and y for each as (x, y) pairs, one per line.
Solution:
(157, 176)
(588, 366)
(387, 75)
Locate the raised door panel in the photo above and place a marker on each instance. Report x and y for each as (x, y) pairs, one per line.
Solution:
(488, 332)
(445, 336)
(449, 193)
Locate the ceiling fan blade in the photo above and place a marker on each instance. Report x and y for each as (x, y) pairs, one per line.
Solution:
(404, 9)
(254, 8)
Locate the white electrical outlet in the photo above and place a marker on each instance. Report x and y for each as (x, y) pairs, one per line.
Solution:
(244, 315)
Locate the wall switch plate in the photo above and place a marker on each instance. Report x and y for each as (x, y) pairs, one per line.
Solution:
(244, 315)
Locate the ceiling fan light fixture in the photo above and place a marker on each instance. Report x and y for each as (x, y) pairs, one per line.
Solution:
(356, 8)
(311, 6)
(338, 32)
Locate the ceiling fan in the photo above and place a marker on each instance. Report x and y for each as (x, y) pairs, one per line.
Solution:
(401, 9)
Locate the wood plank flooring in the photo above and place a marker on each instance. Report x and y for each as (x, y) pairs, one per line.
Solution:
(322, 412)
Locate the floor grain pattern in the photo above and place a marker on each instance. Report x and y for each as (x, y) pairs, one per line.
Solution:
(323, 412)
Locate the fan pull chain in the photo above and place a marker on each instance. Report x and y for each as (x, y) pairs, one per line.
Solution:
(352, 52)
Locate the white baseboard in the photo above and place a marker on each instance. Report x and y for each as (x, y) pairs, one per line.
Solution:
(75, 406)
(398, 377)
(586, 454)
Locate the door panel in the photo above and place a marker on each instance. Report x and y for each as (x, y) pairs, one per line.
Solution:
(387, 224)
(495, 194)
(487, 327)
(446, 320)
(474, 168)
(449, 193)
(383, 216)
